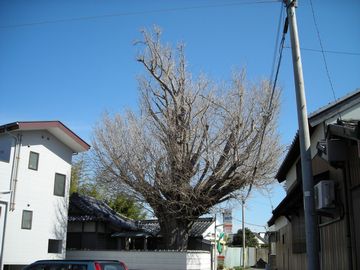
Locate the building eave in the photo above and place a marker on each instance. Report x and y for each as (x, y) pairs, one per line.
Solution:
(56, 128)
(288, 204)
(315, 118)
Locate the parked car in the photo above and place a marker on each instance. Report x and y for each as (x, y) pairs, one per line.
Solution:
(76, 265)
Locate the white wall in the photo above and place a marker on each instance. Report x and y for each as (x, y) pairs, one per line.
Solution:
(234, 256)
(279, 223)
(6, 158)
(209, 233)
(150, 260)
(351, 113)
(317, 135)
(34, 192)
(291, 177)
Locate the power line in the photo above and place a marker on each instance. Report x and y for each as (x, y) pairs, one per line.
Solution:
(87, 18)
(276, 42)
(326, 51)
(267, 116)
(282, 42)
(322, 51)
(251, 224)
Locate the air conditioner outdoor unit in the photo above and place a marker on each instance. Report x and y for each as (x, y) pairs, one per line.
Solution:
(324, 195)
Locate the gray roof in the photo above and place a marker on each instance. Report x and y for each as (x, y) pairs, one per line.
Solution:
(92, 209)
(85, 208)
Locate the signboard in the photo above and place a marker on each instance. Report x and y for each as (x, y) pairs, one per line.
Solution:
(227, 220)
(220, 262)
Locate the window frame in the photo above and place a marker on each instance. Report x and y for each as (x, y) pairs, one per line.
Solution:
(37, 161)
(22, 219)
(59, 243)
(64, 189)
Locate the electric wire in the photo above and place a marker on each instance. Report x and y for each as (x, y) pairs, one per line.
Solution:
(327, 51)
(276, 42)
(322, 51)
(122, 14)
(267, 115)
(251, 224)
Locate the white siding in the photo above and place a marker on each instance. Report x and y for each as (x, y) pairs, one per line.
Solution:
(351, 113)
(279, 223)
(5, 162)
(317, 135)
(34, 192)
(291, 177)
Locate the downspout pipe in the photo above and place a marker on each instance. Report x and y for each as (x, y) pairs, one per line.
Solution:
(3, 234)
(14, 169)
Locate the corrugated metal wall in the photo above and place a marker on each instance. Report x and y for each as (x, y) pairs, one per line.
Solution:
(333, 246)
(354, 167)
(332, 239)
(285, 259)
(333, 242)
(356, 226)
(354, 173)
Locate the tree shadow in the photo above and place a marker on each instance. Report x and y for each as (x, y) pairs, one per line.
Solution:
(59, 231)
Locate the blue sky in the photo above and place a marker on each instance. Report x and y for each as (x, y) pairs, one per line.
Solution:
(72, 60)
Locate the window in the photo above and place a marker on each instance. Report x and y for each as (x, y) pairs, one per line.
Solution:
(112, 266)
(101, 227)
(55, 246)
(53, 266)
(59, 186)
(33, 161)
(89, 227)
(26, 219)
(74, 226)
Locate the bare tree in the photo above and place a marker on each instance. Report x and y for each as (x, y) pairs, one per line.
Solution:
(192, 145)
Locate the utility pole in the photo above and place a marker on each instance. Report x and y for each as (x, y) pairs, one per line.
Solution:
(243, 231)
(305, 152)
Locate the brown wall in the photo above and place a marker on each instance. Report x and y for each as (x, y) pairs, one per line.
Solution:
(332, 231)
(334, 253)
(262, 253)
(336, 234)
(285, 259)
(354, 203)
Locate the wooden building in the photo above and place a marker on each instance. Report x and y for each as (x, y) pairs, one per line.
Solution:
(335, 137)
(93, 225)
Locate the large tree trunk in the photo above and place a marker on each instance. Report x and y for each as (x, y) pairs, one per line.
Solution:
(175, 232)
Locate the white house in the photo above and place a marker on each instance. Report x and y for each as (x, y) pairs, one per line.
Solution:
(35, 169)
